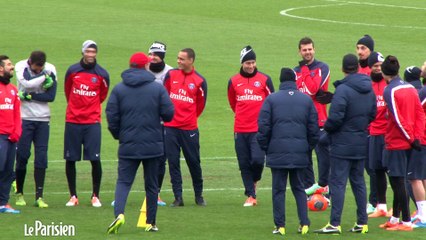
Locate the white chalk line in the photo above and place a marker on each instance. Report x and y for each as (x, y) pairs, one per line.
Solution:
(285, 12)
(182, 159)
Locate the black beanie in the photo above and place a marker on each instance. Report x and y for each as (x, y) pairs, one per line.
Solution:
(412, 74)
(390, 66)
(374, 58)
(246, 54)
(367, 41)
(287, 74)
(350, 63)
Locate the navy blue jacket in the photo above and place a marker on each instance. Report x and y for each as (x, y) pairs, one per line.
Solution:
(353, 107)
(288, 127)
(134, 112)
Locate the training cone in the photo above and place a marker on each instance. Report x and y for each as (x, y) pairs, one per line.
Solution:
(142, 215)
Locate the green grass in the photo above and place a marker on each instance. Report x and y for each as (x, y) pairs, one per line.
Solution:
(217, 30)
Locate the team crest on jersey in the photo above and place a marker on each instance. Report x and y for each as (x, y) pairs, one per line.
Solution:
(12, 92)
(312, 74)
(94, 79)
(257, 84)
(191, 86)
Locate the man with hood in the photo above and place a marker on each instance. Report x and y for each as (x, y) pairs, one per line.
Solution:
(347, 126)
(134, 112)
(287, 137)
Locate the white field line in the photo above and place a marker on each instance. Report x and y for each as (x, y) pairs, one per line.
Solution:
(182, 159)
(286, 13)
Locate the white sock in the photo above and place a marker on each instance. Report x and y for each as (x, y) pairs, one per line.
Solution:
(382, 206)
(394, 220)
(421, 210)
(406, 223)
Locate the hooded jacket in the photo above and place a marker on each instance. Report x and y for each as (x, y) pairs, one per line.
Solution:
(353, 107)
(288, 127)
(134, 113)
(405, 115)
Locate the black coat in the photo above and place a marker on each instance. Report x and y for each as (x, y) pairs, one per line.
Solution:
(288, 127)
(134, 112)
(352, 109)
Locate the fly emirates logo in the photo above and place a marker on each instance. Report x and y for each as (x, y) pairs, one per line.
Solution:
(84, 91)
(7, 104)
(181, 96)
(380, 101)
(249, 96)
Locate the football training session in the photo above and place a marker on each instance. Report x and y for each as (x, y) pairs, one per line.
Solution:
(213, 119)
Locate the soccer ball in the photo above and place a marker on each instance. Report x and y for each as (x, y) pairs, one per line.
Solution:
(317, 202)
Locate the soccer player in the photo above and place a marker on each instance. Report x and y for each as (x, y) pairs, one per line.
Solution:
(188, 92)
(158, 67)
(347, 125)
(288, 131)
(134, 113)
(313, 77)
(376, 140)
(86, 87)
(417, 162)
(405, 130)
(10, 131)
(37, 87)
(364, 47)
(247, 91)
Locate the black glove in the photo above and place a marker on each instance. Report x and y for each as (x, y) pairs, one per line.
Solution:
(303, 63)
(416, 145)
(324, 97)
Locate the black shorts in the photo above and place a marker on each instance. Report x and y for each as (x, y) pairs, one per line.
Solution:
(376, 146)
(417, 165)
(86, 135)
(396, 162)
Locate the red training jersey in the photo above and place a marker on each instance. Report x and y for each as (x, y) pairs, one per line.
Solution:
(10, 110)
(311, 79)
(378, 125)
(188, 92)
(85, 90)
(246, 96)
(406, 117)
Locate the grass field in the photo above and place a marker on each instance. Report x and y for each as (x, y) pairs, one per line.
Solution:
(217, 30)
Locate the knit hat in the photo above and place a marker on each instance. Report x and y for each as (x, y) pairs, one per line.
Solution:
(287, 74)
(139, 60)
(367, 41)
(374, 58)
(350, 63)
(390, 66)
(158, 48)
(246, 54)
(412, 73)
(89, 44)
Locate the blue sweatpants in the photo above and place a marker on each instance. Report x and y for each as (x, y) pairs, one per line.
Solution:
(189, 142)
(7, 160)
(279, 184)
(341, 170)
(251, 160)
(127, 169)
(33, 132)
(322, 150)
